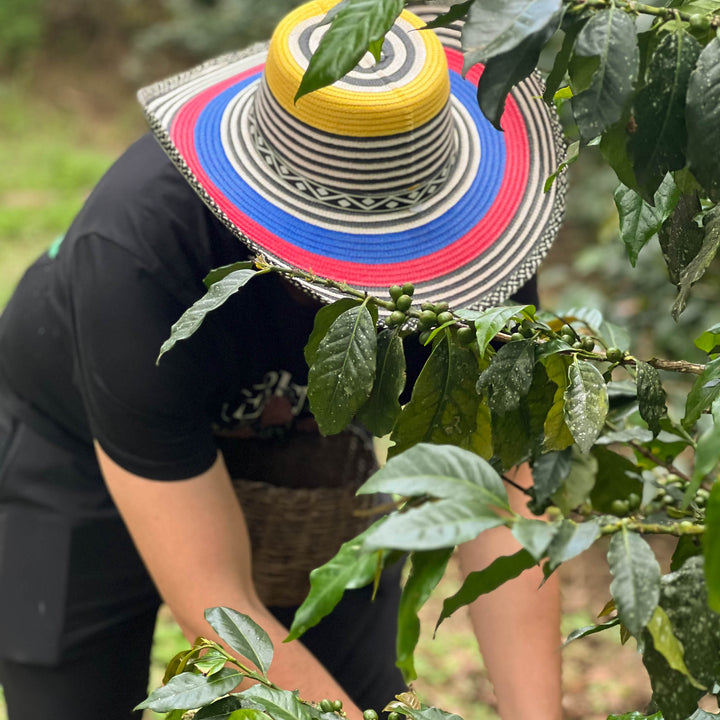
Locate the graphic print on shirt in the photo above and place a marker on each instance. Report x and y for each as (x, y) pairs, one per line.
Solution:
(268, 406)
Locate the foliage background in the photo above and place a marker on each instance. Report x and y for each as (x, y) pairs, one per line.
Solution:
(69, 70)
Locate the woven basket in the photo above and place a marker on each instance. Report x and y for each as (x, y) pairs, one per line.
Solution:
(298, 495)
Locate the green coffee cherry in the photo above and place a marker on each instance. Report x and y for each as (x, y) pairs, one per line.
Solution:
(516, 336)
(466, 336)
(393, 716)
(620, 507)
(634, 501)
(408, 288)
(370, 715)
(614, 354)
(428, 319)
(326, 705)
(337, 705)
(444, 317)
(699, 22)
(396, 318)
(403, 302)
(441, 307)
(424, 336)
(587, 343)
(395, 291)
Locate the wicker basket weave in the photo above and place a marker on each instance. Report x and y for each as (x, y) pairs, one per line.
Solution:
(298, 495)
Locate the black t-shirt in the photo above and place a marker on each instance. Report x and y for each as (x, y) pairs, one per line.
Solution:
(80, 337)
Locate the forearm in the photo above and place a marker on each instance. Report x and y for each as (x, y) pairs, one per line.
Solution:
(518, 629)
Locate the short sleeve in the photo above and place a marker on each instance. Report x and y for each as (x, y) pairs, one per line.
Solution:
(151, 418)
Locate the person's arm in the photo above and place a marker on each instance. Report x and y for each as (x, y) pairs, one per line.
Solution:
(517, 626)
(193, 539)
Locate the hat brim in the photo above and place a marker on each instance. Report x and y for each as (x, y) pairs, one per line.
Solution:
(472, 243)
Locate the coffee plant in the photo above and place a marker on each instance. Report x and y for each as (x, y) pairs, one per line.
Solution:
(513, 384)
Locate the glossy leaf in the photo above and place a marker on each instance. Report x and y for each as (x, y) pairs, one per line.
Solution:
(709, 341)
(636, 584)
(427, 569)
(586, 403)
(443, 407)
(651, 396)
(575, 489)
(509, 376)
(221, 709)
(557, 433)
(502, 72)
(591, 630)
(488, 323)
(497, 27)
(668, 645)
(703, 119)
(711, 547)
(190, 690)
(341, 378)
(351, 567)
(561, 61)
(704, 392)
(243, 635)
(355, 25)
(707, 454)
(680, 236)
(571, 540)
(324, 318)
(217, 274)
(486, 580)
(659, 140)
(534, 535)
(640, 221)
(699, 264)
(246, 714)
(610, 37)
(382, 409)
(279, 704)
(549, 472)
(215, 297)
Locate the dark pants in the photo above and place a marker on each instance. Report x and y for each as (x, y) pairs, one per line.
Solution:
(77, 608)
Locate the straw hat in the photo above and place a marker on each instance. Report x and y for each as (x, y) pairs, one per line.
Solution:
(390, 175)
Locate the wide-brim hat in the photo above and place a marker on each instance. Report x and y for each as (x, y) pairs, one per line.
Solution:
(390, 175)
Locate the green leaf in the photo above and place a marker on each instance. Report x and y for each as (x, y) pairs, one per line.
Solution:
(219, 273)
(613, 146)
(210, 662)
(280, 704)
(709, 341)
(586, 403)
(456, 12)
(246, 714)
(355, 26)
(610, 36)
(341, 378)
(469, 491)
(427, 570)
(651, 396)
(636, 584)
(571, 155)
(443, 408)
(351, 567)
(702, 115)
(382, 409)
(502, 72)
(488, 323)
(497, 27)
(658, 143)
(557, 433)
(549, 472)
(441, 471)
(193, 317)
(668, 645)
(430, 713)
(640, 221)
(561, 61)
(635, 715)
(707, 453)
(509, 376)
(534, 535)
(243, 635)
(704, 392)
(680, 236)
(324, 318)
(571, 540)
(486, 580)
(590, 630)
(190, 690)
(699, 264)
(711, 547)
(221, 709)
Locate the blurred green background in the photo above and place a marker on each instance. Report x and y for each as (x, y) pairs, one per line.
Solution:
(68, 74)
